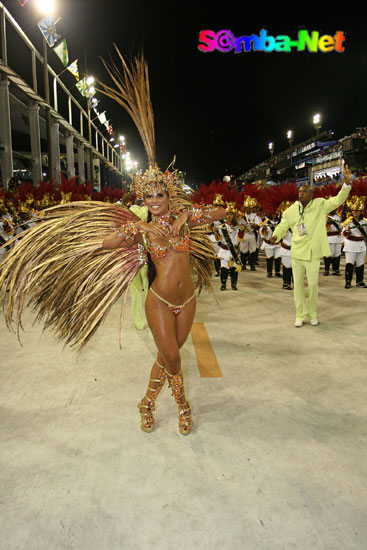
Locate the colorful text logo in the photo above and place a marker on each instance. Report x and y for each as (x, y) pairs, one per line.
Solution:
(225, 41)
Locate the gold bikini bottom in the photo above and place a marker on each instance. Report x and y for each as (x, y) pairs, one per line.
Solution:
(172, 307)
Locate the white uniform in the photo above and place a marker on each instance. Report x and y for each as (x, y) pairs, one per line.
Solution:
(248, 244)
(214, 242)
(285, 249)
(354, 243)
(225, 255)
(271, 250)
(334, 235)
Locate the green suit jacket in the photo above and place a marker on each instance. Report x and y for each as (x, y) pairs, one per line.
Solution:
(315, 244)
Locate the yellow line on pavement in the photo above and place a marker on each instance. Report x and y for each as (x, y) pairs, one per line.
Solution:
(205, 356)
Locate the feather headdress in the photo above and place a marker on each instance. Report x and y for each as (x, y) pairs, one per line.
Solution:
(132, 92)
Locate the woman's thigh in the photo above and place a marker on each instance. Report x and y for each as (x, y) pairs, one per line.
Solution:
(162, 323)
(184, 322)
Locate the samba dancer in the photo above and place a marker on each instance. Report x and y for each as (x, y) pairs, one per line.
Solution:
(171, 302)
(84, 256)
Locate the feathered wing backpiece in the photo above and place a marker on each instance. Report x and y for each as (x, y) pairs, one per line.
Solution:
(59, 266)
(60, 269)
(202, 257)
(133, 93)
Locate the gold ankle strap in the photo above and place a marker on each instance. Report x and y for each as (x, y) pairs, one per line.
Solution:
(171, 375)
(154, 380)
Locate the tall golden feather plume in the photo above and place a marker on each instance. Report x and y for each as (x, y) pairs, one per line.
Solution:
(133, 93)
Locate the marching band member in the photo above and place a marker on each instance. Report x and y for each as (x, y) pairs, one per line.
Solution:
(355, 237)
(251, 222)
(286, 247)
(215, 235)
(272, 251)
(334, 229)
(285, 250)
(228, 254)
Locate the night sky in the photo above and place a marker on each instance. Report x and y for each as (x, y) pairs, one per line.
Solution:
(217, 111)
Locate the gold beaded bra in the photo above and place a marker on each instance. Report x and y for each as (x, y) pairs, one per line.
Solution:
(158, 251)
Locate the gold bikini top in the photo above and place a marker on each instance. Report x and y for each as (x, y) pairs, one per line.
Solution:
(159, 251)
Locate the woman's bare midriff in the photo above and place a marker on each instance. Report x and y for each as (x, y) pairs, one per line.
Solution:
(173, 279)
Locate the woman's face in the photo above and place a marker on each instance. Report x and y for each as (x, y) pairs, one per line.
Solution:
(157, 203)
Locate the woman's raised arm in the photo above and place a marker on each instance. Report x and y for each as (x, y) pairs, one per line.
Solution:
(197, 215)
(203, 215)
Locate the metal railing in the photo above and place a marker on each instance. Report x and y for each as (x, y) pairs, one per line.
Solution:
(63, 102)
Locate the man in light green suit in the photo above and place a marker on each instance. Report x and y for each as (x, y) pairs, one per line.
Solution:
(307, 220)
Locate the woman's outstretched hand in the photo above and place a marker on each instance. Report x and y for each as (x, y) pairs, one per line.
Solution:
(179, 222)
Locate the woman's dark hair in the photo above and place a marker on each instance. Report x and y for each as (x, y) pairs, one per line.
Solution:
(151, 267)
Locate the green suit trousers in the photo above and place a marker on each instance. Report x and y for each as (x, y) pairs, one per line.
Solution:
(311, 268)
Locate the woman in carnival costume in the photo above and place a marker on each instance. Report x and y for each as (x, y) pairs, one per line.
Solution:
(83, 256)
(173, 248)
(171, 300)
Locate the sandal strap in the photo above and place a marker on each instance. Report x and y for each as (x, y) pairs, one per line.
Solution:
(147, 417)
(184, 409)
(158, 380)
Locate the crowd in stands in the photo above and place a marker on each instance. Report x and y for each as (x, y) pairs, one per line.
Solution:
(259, 170)
(325, 178)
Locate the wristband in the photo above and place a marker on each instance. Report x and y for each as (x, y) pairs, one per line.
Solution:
(128, 230)
(196, 213)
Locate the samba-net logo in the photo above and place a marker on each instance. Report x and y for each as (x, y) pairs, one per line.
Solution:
(224, 41)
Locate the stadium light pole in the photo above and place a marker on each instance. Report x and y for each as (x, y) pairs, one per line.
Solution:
(271, 149)
(47, 7)
(317, 123)
(290, 138)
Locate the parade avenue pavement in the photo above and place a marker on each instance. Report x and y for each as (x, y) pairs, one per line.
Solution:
(276, 459)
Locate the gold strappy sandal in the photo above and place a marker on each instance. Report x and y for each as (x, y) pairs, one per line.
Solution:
(184, 409)
(147, 418)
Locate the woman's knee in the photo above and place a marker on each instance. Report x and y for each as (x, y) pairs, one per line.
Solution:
(172, 361)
